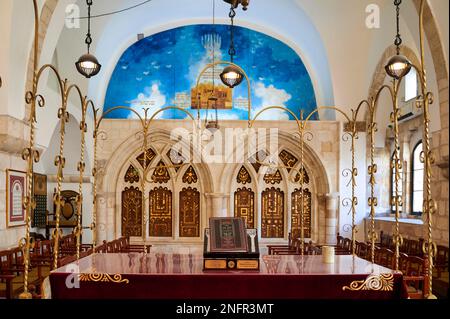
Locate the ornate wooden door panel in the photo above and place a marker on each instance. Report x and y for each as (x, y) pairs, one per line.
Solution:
(189, 212)
(272, 218)
(244, 205)
(131, 212)
(160, 212)
(296, 209)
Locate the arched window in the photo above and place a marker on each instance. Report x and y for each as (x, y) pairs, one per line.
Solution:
(400, 185)
(411, 87)
(417, 171)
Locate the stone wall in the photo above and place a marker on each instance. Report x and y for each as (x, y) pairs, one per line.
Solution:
(118, 143)
(13, 134)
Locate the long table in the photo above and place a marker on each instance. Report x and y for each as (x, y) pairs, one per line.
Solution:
(180, 276)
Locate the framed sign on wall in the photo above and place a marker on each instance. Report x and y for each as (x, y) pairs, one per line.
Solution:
(15, 192)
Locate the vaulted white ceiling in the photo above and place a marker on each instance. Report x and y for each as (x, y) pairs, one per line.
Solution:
(331, 37)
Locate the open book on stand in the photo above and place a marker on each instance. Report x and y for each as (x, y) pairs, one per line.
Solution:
(228, 245)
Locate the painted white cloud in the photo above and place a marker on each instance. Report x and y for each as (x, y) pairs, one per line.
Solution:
(152, 98)
(241, 106)
(228, 116)
(271, 96)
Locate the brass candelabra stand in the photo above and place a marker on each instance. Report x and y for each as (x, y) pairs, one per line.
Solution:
(31, 154)
(305, 135)
(145, 122)
(423, 101)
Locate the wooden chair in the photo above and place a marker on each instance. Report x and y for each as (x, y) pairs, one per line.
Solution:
(377, 255)
(101, 248)
(110, 247)
(387, 258)
(362, 250)
(415, 278)
(441, 260)
(403, 262)
(287, 250)
(339, 241)
(404, 247)
(384, 239)
(289, 246)
(18, 261)
(7, 274)
(312, 249)
(347, 244)
(86, 253)
(7, 290)
(414, 248)
(66, 260)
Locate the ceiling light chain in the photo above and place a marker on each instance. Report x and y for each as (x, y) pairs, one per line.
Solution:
(232, 50)
(88, 65)
(88, 40)
(398, 65)
(232, 76)
(398, 38)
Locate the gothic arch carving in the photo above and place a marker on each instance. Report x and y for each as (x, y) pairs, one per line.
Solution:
(111, 183)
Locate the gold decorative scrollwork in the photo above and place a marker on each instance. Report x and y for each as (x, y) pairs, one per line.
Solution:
(382, 282)
(94, 277)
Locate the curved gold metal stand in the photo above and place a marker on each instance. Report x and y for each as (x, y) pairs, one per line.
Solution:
(31, 154)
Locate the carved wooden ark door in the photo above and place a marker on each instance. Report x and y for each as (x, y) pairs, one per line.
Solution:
(244, 205)
(131, 212)
(189, 212)
(272, 208)
(160, 212)
(296, 213)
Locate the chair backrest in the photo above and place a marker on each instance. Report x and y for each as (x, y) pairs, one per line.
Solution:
(347, 244)
(384, 239)
(362, 250)
(46, 248)
(414, 248)
(66, 260)
(101, 248)
(6, 260)
(403, 263)
(404, 247)
(17, 255)
(442, 255)
(339, 241)
(415, 266)
(387, 258)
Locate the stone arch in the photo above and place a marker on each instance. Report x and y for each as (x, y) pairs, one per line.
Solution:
(114, 169)
(435, 41)
(45, 18)
(320, 184)
(380, 75)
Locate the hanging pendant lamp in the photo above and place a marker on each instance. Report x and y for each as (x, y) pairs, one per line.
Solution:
(88, 65)
(398, 66)
(231, 76)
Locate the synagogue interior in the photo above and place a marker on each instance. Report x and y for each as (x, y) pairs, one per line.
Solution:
(224, 149)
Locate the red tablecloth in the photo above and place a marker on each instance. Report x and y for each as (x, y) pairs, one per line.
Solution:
(180, 276)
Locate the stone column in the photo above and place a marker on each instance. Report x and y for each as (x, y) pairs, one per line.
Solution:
(219, 204)
(331, 218)
(102, 212)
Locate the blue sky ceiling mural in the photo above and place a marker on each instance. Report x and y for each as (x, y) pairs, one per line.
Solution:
(162, 70)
